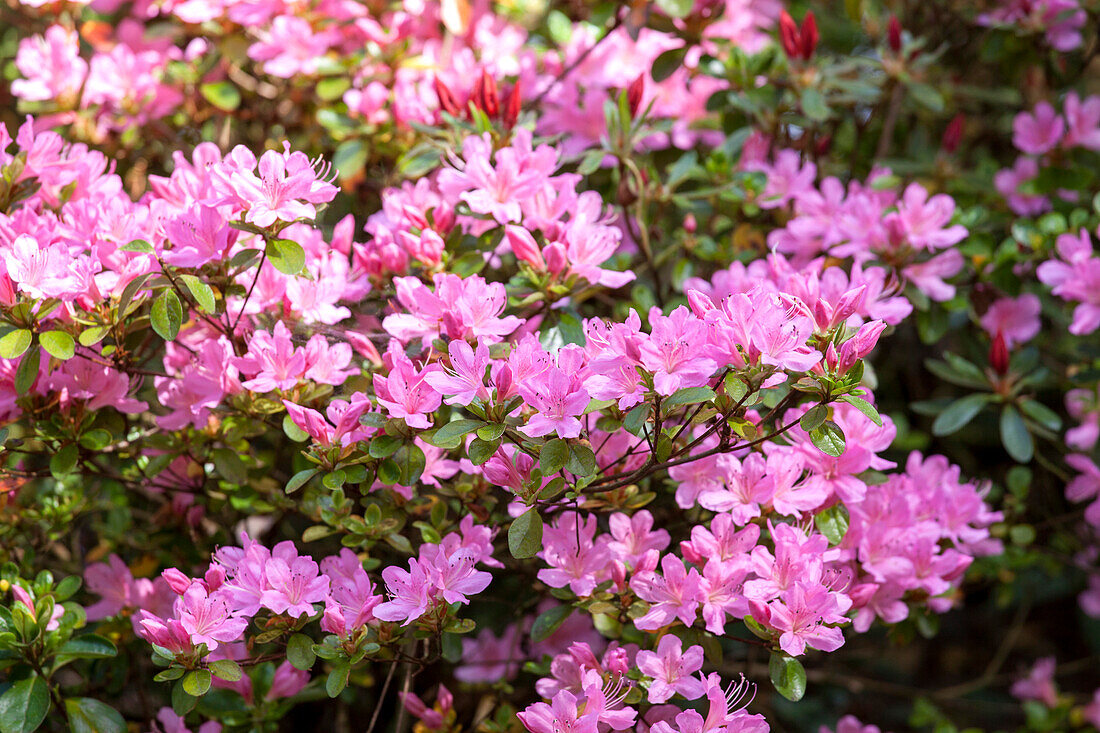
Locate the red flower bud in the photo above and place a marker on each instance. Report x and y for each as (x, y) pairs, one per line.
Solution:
(893, 34)
(487, 98)
(512, 106)
(822, 144)
(952, 136)
(447, 101)
(789, 37)
(809, 36)
(998, 354)
(634, 94)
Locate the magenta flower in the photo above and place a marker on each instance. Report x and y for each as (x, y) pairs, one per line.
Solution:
(1039, 131)
(1039, 683)
(409, 591)
(671, 669)
(675, 595)
(273, 358)
(559, 399)
(209, 617)
(464, 381)
(675, 351)
(1017, 319)
(294, 583)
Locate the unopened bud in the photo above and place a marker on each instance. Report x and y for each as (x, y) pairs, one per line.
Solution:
(447, 101)
(634, 94)
(177, 581)
(524, 246)
(893, 34)
(952, 136)
(809, 36)
(789, 37)
(512, 106)
(487, 98)
(690, 224)
(998, 354)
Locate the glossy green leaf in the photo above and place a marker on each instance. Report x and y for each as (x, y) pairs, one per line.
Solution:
(221, 94)
(829, 439)
(286, 255)
(299, 652)
(166, 315)
(1015, 436)
(200, 291)
(87, 715)
(959, 413)
(58, 344)
(525, 535)
(788, 676)
(14, 343)
(24, 705)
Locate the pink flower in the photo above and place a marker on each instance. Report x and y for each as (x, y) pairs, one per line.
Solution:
(51, 66)
(273, 358)
(559, 399)
(406, 392)
(112, 581)
(289, 47)
(924, 219)
(671, 669)
(675, 595)
(294, 583)
(801, 614)
(209, 617)
(1082, 122)
(560, 715)
(287, 682)
(1039, 131)
(675, 350)
(465, 380)
(40, 272)
(1039, 683)
(286, 188)
(197, 236)
(1016, 318)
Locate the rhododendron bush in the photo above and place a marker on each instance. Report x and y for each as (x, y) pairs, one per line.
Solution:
(660, 366)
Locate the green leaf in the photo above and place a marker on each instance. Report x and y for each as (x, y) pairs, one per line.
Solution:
(58, 344)
(788, 676)
(1015, 436)
(829, 439)
(451, 434)
(300, 479)
(481, 451)
(667, 63)
(863, 406)
(286, 255)
(92, 716)
(959, 413)
(350, 158)
(299, 652)
(225, 669)
(64, 461)
(814, 106)
(87, 646)
(525, 535)
(138, 245)
(337, 679)
(1041, 414)
(14, 343)
(582, 461)
(182, 702)
(676, 8)
(927, 96)
(200, 291)
(229, 466)
(197, 682)
(221, 94)
(93, 335)
(96, 439)
(166, 315)
(552, 457)
(689, 396)
(813, 418)
(833, 523)
(27, 371)
(67, 587)
(491, 432)
(167, 675)
(548, 622)
(24, 706)
(383, 446)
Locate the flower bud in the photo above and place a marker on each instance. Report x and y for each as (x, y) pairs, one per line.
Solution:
(690, 224)
(555, 257)
(617, 661)
(788, 35)
(893, 34)
(512, 106)
(634, 94)
(176, 580)
(447, 101)
(809, 36)
(524, 246)
(998, 354)
(486, 97)
(952, 136)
